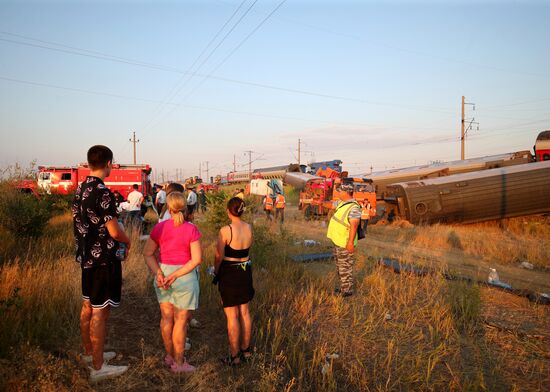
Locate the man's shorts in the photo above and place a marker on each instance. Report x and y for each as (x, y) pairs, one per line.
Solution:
(101, 285)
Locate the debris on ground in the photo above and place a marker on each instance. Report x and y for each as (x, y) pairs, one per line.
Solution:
(307, 243)
(387, 316)
(526, 265)
(311, 257)
(492, 281)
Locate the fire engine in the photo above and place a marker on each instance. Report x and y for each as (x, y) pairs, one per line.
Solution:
(65, 179)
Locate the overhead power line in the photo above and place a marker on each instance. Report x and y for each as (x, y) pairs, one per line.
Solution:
(107, 57)
(176, 90)
(231, 53)
(189, 75)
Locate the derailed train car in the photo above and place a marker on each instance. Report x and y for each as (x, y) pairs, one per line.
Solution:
(385, 178)
(474, 197)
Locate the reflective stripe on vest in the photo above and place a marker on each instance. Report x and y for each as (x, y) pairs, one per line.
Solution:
(338, 227)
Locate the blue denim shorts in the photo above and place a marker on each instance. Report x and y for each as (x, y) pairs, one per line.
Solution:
(184, 292)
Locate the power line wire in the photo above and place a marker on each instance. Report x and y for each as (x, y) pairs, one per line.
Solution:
(176, 90)
(107, 57)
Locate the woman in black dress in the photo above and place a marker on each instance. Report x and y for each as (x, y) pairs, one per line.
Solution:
(234, 276)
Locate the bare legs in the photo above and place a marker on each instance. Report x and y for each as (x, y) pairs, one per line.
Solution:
(239, 328)
(166, 326)
(92, 330)
(173, 328)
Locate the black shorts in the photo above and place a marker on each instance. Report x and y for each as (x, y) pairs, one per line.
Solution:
(101, 285)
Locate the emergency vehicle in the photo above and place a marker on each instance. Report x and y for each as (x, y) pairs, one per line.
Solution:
(321, 192)
(65, 179)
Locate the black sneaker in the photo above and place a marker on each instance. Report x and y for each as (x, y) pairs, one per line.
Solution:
(347, 294)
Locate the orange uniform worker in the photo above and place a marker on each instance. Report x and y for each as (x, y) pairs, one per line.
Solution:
(366, 212)
(280, 207)
(268, 206)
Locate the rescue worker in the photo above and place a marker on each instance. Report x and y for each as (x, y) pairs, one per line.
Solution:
(366, 212)
(342, 230)
(268, 206)
(280, 207)
(202, 200)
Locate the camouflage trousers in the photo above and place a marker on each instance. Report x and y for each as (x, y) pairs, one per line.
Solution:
(344, 265)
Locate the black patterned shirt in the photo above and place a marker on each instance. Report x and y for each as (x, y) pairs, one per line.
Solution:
(94, 205)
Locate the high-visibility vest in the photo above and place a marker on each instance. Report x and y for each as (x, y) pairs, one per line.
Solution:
(280, 201)
(268, 203)
(338, 227)
(365, 211)
(240, 195)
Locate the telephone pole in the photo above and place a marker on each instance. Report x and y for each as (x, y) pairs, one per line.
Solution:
(207, 173)
(463, 129)
(234, 162)
(134, 141)
(249, 152)
(299, 145)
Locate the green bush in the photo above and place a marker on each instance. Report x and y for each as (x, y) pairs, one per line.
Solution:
(23, 215)
(216, 214)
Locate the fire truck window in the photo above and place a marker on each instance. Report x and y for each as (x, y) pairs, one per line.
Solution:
(546, 157)
(45, 176)
(65, 176)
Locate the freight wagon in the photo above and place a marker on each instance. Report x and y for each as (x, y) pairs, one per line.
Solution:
(473, 197)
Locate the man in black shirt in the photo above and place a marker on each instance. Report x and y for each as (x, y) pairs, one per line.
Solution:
(98, 236)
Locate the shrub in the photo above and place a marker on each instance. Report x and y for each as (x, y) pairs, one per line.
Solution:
(23, 215)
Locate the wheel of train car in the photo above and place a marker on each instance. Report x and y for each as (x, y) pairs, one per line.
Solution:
(421, 208)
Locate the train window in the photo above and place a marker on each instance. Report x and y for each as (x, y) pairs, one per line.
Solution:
(44, 176)
(546, 157)
(421, 208)
(65, 176)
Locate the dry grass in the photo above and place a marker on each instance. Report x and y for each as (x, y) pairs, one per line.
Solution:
(439, 335)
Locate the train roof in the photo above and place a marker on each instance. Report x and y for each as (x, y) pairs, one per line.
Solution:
(526, 167)
(466, 164)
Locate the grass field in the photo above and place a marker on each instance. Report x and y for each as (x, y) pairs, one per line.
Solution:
(399, 332)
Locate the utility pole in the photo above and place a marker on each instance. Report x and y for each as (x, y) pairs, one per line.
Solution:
(249, 152)
(299, 145)
(134, 141)
(463, 129)
(234, 163)
(462, 132)
(207, 173)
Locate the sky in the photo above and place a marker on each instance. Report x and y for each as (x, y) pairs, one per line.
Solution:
(373, 83)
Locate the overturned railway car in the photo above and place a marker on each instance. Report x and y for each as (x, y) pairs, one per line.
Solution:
(474, 197)
(385, 178)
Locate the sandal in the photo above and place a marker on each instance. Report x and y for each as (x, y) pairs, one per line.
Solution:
(244, 356)
(230, 360)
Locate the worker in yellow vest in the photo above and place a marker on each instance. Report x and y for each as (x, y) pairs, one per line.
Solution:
(342, 230)
(280, 207)
(366, 212)
(268, 206)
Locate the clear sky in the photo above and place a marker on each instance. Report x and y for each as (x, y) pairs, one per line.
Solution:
(373, 83)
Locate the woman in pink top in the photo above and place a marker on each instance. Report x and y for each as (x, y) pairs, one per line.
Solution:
(176, 281)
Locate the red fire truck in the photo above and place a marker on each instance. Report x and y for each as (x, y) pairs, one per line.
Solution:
(65, 179)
